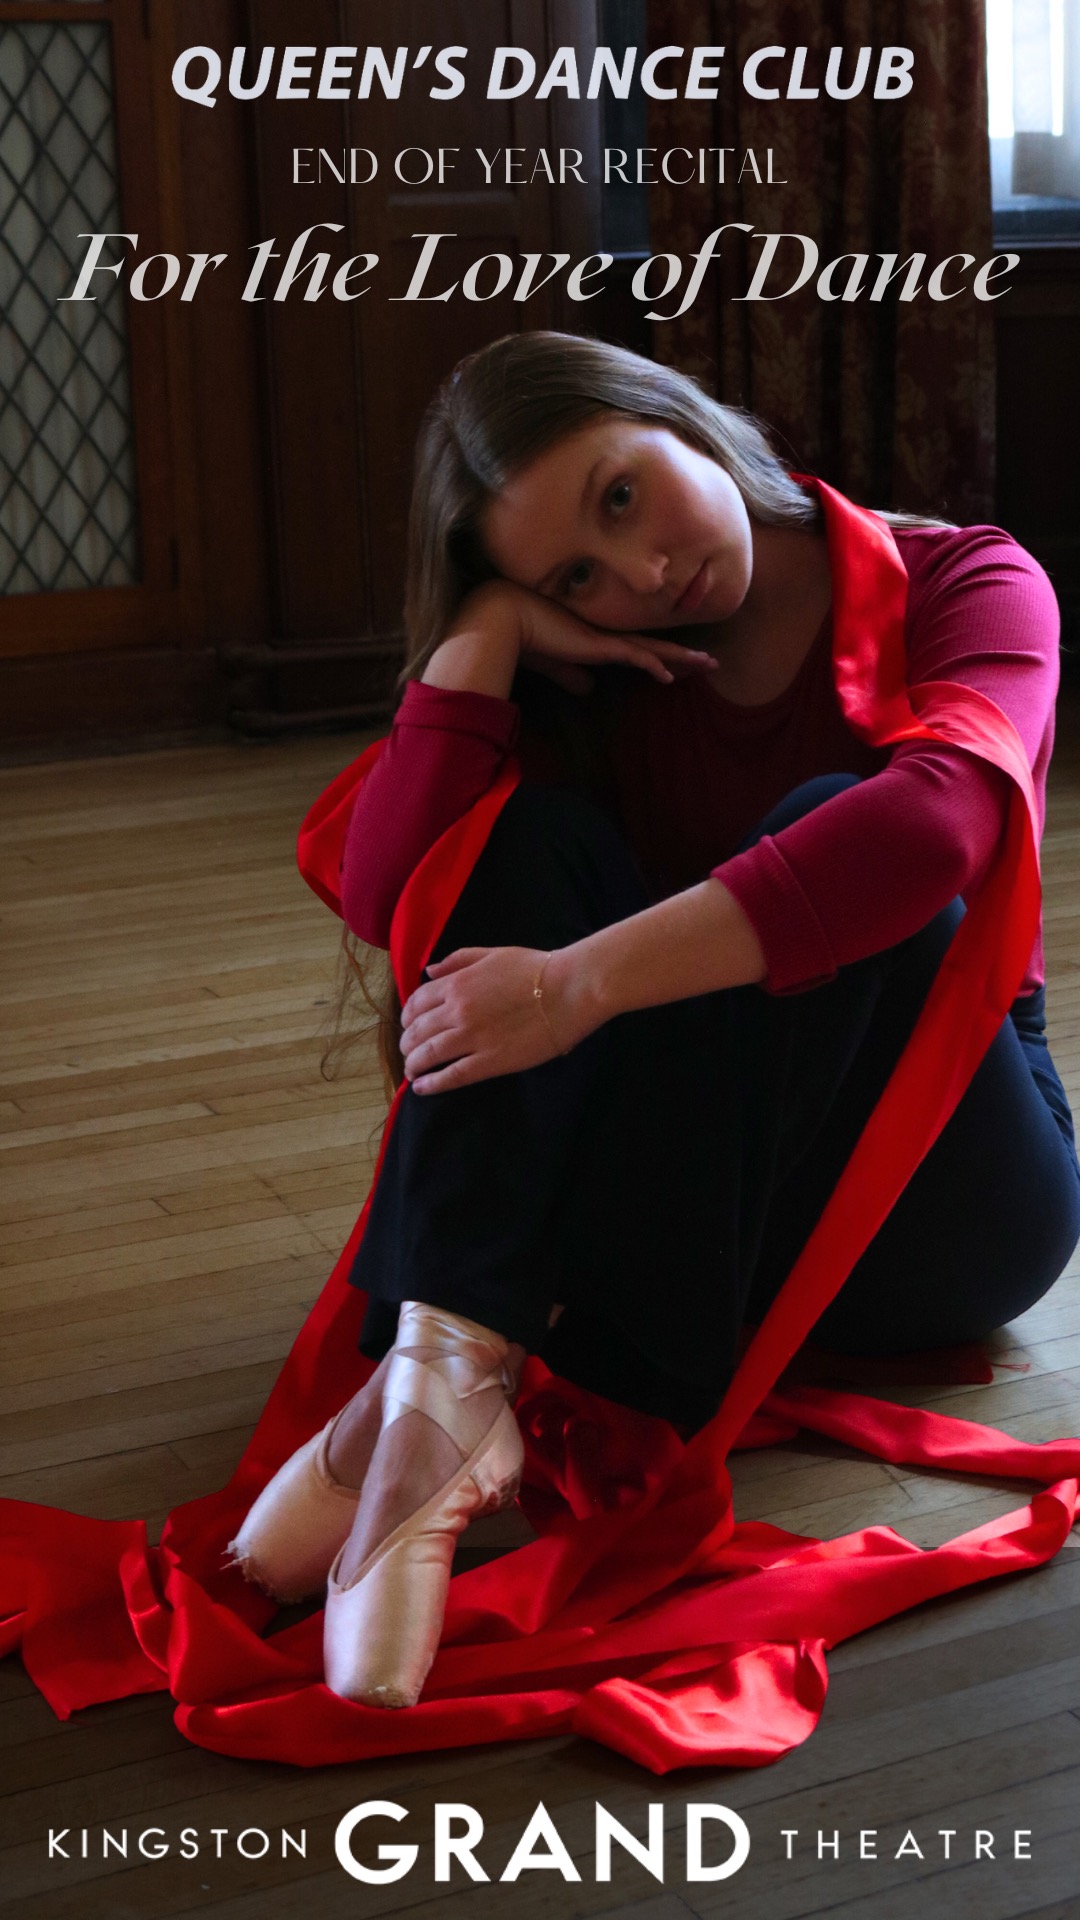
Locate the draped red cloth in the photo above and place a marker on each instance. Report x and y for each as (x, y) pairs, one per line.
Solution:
(644, 1615)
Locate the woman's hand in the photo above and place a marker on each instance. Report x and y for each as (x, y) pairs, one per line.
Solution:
(499, 626)
(556, 642)
(477, 1016)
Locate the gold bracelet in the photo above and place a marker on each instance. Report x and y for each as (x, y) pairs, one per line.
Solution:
(538, 996)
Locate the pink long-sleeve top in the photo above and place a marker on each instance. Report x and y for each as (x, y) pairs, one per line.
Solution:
(689, 773)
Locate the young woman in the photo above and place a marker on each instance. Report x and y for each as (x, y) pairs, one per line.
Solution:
(682, 969)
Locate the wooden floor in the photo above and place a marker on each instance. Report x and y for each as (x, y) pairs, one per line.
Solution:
(175, 1180)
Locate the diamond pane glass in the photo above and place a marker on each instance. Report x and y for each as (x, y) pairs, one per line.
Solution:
(67, 458)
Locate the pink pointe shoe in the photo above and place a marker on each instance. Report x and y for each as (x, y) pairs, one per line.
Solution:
(381, 1629)
(298, 1525)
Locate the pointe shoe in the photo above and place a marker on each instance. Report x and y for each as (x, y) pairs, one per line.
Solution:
(381, 1629)
(298, 1525)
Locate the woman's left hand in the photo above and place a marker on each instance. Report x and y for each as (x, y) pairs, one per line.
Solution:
(477, 1016)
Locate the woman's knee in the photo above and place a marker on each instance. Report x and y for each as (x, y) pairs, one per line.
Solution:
(553, 869)
(798, 803)
(810, 795)
(537, 818)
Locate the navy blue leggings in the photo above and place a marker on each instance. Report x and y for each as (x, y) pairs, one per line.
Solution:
(659, 1181)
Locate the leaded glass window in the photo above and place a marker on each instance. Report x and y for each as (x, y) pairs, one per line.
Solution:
(68, 506)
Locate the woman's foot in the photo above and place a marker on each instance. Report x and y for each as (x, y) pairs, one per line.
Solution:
(292, 1534)
(356, 1431)
(397, 1472)
(410, 1462)
(402, 1467)
(449, 1450)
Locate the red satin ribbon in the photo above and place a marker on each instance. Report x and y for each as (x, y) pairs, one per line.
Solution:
(644, 1615)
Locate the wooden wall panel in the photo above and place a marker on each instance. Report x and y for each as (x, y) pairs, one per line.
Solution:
(211, 195)
(317, 501)
(114, 698)
(347, 384)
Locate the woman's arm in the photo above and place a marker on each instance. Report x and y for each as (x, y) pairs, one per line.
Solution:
(874, 864)
(697, 941)
(455, 727)
(451, 734)
(478, 1014)
(482, 648)
(858, 874)
(444, 752)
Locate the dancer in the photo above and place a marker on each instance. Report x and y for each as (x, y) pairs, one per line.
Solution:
(680, 973)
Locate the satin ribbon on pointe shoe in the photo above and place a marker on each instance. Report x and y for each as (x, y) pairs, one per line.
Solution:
(381, 1629)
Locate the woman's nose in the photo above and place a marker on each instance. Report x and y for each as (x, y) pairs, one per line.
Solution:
(645, 572)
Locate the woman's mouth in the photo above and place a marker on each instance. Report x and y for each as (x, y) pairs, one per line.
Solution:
(694, 592)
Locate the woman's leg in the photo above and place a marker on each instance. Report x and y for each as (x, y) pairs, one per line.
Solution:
(988, 1221)
(719, 1130)
(660, 1181)
(645, 1151)
(462, 1215)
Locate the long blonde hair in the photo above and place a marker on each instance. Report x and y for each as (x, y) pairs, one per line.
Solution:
(498, 410)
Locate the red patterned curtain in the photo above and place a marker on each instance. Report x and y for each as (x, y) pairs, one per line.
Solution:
(891, 401)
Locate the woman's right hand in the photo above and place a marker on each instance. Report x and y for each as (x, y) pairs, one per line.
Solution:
(507, 626)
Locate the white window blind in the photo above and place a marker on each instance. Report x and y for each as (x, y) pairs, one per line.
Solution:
(1033, 67)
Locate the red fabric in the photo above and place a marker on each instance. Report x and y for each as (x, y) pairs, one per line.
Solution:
(691, 773)
(644, 1615)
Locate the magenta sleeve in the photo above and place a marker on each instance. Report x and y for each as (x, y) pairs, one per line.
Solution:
(445, 750)
(878, 861)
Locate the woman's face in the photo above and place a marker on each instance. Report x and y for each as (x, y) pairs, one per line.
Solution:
(626, 525)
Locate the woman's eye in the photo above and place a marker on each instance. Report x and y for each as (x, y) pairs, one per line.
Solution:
(578, 577)
(620, 496)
